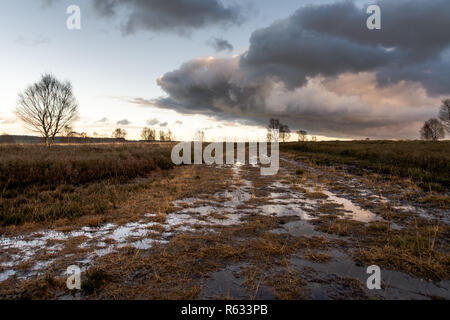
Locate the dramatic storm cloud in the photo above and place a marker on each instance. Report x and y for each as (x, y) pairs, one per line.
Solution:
(332, 39)
(321, 69)
(181, 16)
(417, 34)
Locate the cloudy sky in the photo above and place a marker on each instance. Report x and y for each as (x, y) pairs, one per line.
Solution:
(227, 66)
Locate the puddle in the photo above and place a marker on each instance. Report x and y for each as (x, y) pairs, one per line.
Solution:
(285, 210)
(236, 195)
(405, 208)
(298, 228)
(396, 285)
(375, 197)
(350, 209)
(225, 284)
(110, 237)
(225, 209)
(424, 213)
(278, 185)
(5, 275)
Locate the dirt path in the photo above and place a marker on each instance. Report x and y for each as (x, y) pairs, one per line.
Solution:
(306, 233)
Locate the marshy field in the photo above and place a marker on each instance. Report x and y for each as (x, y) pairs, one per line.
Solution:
(140, 227)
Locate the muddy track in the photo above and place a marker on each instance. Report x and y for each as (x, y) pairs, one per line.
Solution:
(306, 233)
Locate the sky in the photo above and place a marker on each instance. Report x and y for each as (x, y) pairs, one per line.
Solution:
(227, 67)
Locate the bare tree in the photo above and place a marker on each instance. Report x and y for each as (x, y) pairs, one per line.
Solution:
(199, 136)
(285, 132)
(69, 133)
(165, 136)
(444, 114)
(148, 134)
(47, 107)
(119, 134)
(432, 130)
(162, 135)
(275, 124)
(302, 135)
(169, 135)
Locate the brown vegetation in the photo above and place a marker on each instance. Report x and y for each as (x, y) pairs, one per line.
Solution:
(427, 163)
(45, 184)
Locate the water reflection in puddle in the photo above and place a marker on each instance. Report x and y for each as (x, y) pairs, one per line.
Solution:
(278, 210)
(396, 285)
(350, 209)
(101, 241)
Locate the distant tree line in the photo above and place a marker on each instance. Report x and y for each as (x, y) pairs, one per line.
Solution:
(6, 139)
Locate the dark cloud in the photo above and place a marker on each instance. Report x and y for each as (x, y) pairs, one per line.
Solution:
(313, 107)
(287, 67)
(48, 3)
(103, 120)
(419, 29)
(181, 16)
(207, 85)
(433, 74)
(153, 122)
(332, 39)
(416, 32)
(123, 122)
(220, 44)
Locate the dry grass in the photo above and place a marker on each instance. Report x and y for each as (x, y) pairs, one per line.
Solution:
(316, 257)
(419, 250)
(438, 200)
(287, 285)
(29, 165)
(39, 184)
(424, 162)
(175, 270)
(128, 201)
(42, 288)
